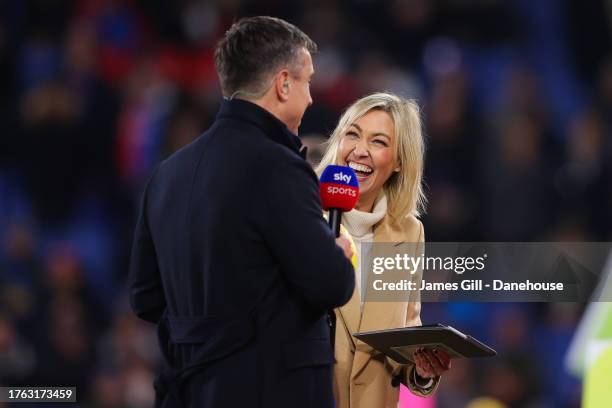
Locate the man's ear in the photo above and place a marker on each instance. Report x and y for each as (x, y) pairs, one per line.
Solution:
(282, 84)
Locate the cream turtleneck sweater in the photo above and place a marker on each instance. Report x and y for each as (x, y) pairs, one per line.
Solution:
(360, 225)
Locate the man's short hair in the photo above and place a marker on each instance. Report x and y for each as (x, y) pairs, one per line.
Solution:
(253, 49)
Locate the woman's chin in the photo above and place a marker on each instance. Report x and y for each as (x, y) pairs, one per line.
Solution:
(363, 180)
(364, 191)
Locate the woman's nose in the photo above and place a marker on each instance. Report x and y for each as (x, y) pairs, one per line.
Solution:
(361, 149)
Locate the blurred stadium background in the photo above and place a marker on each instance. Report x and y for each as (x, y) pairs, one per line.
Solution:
(516, 99)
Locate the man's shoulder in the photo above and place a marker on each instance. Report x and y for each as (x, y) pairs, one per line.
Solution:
(249, 135)
(260, 152)
(232, 145)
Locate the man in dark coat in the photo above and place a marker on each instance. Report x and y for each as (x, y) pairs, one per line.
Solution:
(232, 258)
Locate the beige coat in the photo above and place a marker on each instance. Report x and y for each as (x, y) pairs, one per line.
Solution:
(362, 376)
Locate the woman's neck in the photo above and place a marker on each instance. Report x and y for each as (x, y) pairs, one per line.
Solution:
(360, 223)
(365, 204)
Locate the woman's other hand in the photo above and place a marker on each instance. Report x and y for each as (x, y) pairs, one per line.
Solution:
(431, 363)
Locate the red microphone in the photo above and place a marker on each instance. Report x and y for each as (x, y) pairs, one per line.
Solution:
(339, 191)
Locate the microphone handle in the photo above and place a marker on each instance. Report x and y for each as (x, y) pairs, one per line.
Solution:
(335, 215)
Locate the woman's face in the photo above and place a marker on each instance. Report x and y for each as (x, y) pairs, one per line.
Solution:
(368, 147)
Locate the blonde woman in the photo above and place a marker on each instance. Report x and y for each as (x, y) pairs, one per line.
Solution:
(380, 137)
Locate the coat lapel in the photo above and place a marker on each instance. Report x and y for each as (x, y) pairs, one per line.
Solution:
(351, 311)
(376, 315)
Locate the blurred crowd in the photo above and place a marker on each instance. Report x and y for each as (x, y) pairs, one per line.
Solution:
(516, 101)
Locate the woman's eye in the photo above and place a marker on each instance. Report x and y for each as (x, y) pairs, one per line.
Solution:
(380, 142)
(352, 135)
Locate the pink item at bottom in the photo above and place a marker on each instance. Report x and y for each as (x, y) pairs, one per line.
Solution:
(409, 400)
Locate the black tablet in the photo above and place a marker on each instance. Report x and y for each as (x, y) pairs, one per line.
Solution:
(400, 344)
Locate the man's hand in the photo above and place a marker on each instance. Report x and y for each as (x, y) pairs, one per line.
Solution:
(430, 364)
(344, 243)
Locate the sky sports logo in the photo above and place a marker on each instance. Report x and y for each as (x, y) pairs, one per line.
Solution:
(334, 189)
(345, 178)
(339, 188)
(340, 175)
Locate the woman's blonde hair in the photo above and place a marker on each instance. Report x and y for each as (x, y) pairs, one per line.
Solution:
(404, 189)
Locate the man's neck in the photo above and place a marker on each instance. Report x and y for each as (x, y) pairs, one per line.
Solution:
(266, 103)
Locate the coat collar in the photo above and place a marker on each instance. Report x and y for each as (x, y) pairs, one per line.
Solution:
(351, 311)
(271, 126)
(385, 231)
(375, 315)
